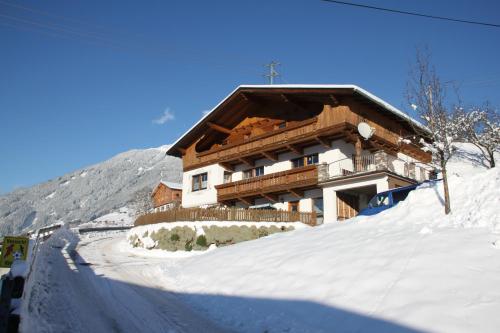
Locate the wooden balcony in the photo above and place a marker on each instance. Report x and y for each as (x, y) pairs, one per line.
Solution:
(293, 181)
(280, 139)
(332, 123)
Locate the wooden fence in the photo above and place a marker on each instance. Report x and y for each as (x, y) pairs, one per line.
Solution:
(230, 214)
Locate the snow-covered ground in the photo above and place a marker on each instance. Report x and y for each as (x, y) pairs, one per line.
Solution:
(122, 217)
(408, 269)
(89, 285)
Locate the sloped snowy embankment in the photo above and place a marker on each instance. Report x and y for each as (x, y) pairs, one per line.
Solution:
(410, 268)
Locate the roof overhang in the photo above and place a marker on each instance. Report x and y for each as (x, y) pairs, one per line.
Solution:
(334, 89)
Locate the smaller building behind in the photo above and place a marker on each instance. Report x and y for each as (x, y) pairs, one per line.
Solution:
(166, 195)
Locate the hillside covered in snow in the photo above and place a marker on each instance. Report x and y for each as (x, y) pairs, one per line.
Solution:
(88, 193)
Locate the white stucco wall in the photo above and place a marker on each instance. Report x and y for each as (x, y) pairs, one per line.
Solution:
(339, 150)
(215, 176)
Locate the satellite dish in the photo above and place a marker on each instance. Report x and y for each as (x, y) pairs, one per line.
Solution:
(365, 130)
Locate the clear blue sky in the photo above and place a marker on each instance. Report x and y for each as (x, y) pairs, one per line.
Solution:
(84, 80)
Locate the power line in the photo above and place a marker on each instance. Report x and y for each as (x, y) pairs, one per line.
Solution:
(61, 17)
(412, 13)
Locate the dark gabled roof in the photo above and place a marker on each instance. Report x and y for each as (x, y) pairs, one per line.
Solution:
(306, 90)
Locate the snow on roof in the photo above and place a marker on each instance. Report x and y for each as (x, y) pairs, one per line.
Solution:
(353, 87)
(172, 185)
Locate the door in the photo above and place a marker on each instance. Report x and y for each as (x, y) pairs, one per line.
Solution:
(293, 206)
(347, 206)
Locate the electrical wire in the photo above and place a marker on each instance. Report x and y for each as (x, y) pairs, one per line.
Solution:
(397, 11)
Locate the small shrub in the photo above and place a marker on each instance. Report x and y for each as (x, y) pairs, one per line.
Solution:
(201, 241)
(188, 246)
(175, 238)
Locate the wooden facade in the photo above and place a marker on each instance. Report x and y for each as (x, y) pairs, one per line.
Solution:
(258, 137)
(256, 123)
(163, 195)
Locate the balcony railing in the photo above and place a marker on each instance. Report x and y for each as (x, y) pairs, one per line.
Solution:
(268, 141)
(271, 183)
(374, 162)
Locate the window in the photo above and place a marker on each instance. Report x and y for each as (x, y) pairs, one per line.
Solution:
(248, 174)
(281, 125)
(200, 182)
(305, 160)
(228, 176)
(312, 159)
(255, 172)
(298, 162)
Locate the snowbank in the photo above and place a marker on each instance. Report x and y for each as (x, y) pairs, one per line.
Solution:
(410, 268)
(35, 308)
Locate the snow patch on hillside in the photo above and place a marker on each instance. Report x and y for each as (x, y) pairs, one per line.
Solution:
(86, 194)
(124, 216)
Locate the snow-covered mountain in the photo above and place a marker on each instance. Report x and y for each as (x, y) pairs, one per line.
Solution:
(88, 193)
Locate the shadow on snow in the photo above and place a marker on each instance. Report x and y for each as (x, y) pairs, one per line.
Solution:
(86, 302)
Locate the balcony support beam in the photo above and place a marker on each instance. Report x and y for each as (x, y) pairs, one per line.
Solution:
(246, 201)
(227, 166)
(270, 197)
(218, 128)
(247, 161)
(269, 155)
(296, 193)
(295, 149)
(323, 141)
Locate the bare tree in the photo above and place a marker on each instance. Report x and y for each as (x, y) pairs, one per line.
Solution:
(426, 95)
(481, 127)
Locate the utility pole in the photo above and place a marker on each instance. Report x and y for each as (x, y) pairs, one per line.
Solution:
(272, 71)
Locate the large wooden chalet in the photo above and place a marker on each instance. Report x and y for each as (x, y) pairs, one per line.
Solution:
(297, 147)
